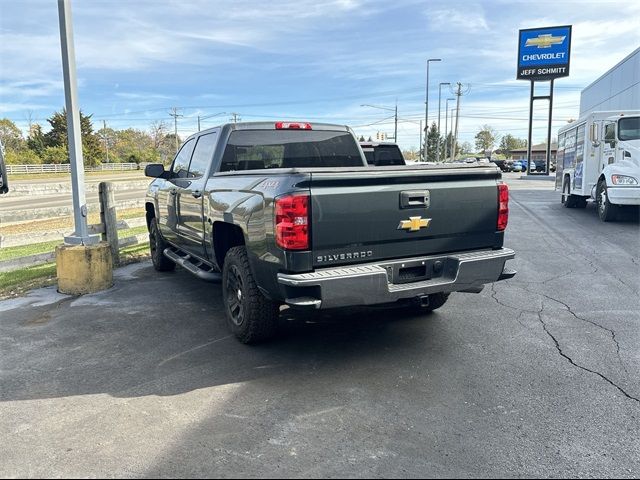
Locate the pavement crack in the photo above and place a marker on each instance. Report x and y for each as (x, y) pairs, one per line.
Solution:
(572, 362)
(611, 332)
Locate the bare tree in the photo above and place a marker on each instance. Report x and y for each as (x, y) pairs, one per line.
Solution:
(158, 131)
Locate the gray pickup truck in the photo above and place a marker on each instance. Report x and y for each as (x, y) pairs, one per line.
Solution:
(290, 213)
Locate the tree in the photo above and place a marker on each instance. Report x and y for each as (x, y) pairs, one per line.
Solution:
(11, 135)
(465, 148)
(486, 138)
(411, 154)
(135, 146)
(35, 139)
(509, 143)
(57, 136)
(158, 131)
(107, 138)
(22, 157)
(361, 138)
(448, 146)
(433, 138)
(55, 154)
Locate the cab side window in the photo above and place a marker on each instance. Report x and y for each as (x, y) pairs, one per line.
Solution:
(202, 155)
(609, 132)
(180, 167)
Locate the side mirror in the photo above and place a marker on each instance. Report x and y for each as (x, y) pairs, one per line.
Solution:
(155, 170)
(4, 182)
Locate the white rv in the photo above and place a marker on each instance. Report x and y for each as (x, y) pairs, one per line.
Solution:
(599, 158)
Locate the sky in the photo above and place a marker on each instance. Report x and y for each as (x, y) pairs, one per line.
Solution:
(302, 60)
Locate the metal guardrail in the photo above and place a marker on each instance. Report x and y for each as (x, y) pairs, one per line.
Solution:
(66, 168)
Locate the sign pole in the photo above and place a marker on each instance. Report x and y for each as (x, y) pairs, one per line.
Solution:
(531, 95)
(549, 127)
(543, 55)
(81, 234)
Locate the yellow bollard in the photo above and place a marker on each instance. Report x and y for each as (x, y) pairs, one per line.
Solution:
(84, 268)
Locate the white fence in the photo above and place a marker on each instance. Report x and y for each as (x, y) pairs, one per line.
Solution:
(66, 168)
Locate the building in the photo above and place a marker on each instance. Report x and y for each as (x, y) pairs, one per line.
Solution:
(538, 152)
(617, 89)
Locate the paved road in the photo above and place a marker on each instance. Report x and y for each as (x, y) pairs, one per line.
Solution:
(538, 376)
(13, 204)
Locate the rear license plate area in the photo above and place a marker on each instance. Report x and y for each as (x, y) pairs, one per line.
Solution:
(415, 271)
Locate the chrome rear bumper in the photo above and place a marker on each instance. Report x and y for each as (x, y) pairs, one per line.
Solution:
(373, 283)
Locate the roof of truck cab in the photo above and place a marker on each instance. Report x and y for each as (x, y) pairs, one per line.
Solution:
(378, 144)
(272, 126)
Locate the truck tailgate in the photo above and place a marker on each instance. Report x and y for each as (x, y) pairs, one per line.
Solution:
(365, 215)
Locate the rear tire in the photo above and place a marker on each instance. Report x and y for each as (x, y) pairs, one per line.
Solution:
(607, 211)
(250, 315)
(568, 200)
(157, 246)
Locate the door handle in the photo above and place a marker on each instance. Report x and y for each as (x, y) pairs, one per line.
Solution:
(196, 194)
(173, 191)
(415, 198)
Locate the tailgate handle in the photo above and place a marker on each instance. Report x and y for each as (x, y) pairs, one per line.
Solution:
(415, 198)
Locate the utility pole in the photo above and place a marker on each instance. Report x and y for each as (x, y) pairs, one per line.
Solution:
(235, 117)
(446, 128)
(439, 104)
(174, 113)
(426, 110)
(395, 130)
(458, 93)
(106, 140)
(198, 122)
(420, 138)
(451, 135)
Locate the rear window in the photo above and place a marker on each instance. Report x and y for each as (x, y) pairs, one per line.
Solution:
(383, 155)
(259, 149)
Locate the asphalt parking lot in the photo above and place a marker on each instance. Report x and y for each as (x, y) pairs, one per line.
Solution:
(537, 376)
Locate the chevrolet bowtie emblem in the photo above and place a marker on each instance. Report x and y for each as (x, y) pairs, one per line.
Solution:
(544, 41)
(414, 224)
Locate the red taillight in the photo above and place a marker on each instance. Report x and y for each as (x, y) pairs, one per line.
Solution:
(503, 207)
(292, 126)
(292, 222)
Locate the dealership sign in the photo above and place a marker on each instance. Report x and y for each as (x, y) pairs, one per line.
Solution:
(543, 53)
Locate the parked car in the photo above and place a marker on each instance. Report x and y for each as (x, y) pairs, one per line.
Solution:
(502, 165)
(290, 213)
(519, 166)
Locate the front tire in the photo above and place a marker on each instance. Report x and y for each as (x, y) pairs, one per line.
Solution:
(157, 246)
(607, 211)
(250, 315)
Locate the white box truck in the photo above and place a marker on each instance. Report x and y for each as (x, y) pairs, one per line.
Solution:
(599, 159)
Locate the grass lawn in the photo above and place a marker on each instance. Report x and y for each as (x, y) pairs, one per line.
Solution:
(44, 247)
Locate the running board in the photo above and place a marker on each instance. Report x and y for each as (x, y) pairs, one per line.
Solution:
(199, 268)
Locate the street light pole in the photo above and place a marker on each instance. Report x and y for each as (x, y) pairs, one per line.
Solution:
(426, 109)
(446, 128)
(81, 235)
(439, 103)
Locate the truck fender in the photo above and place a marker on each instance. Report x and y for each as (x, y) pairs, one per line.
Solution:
(242, 210)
